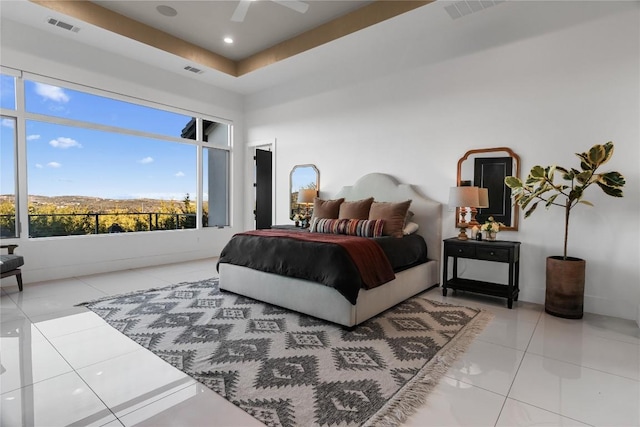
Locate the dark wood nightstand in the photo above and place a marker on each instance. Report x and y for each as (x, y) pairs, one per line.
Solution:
(496, 251)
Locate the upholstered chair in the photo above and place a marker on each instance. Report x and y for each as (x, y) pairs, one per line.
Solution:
(10, 264)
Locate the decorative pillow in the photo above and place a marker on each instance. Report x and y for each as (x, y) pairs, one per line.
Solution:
(393, 214)
(358, 209)
(410, 228)
(365, 227)
(326, 208)
(408, 218)
(324, 225)
(351, 227)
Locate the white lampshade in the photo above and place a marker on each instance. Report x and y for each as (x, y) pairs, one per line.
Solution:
(306, 195)
(464, 197)
(483, 198)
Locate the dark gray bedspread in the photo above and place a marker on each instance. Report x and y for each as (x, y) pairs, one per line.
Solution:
(325, 263)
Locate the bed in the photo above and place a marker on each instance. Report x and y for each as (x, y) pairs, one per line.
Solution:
(327, 303)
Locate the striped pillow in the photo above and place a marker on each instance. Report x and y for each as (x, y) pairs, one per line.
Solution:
(351, 227)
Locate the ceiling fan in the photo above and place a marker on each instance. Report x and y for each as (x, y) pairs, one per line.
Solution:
(243, 6)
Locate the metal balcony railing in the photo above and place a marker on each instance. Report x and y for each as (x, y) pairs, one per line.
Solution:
(48, 225)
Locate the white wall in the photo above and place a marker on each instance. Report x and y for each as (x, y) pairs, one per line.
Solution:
(546, 95)
(60, 257)
(547, 79)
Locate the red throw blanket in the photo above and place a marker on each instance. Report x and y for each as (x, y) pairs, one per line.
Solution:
(368, 257)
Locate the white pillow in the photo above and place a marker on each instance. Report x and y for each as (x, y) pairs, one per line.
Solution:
(410, 228)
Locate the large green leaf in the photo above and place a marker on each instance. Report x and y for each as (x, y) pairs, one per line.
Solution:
(576, 193)
(513, 182)
(518, 197)
(551, 170)
(525, 200)
(537, 172)
(551, 199)
(612, 179)
(568, 175)
(583, 156)
(597, 155)
(532, 180)
(611, 191)
(530, 211)
(583, 177)
(608, 152)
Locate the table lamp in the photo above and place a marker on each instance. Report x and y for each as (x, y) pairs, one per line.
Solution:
(483, 202)
(463, 198)
(305, 198)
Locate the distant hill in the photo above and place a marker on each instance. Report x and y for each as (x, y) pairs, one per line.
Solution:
(96, 204)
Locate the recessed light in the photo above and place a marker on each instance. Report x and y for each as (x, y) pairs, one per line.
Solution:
(166, 10)
(228, 40)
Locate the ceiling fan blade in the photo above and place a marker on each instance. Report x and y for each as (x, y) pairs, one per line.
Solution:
(296, 5)
(241, 11)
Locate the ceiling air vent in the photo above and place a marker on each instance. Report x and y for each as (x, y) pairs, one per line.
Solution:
(63, 25)
(467, 7)
(193, 69)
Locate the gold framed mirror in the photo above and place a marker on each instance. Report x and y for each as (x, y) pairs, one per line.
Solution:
(487, 168)
(302, 177)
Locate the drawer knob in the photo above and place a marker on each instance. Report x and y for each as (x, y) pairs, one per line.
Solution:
(459, 251)
(492, 253)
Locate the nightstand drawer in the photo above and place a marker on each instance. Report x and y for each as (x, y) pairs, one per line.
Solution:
(462, 251)
(490, 254)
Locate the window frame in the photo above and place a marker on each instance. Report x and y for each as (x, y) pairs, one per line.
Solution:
(19, 149)
(22, 116)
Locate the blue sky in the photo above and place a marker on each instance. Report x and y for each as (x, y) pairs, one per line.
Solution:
(305, 177)
(64, 160)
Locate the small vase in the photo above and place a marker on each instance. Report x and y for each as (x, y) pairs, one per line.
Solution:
(491, 235)
(297, 223)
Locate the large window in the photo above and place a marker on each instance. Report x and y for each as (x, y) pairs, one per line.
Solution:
(8, 159)
(50, 100)
(96, 164)
(7, 92)
(8, 198)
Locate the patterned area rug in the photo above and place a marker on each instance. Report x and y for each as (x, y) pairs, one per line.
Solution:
(288, 369)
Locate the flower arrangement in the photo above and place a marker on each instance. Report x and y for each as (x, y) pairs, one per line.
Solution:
(301, 218)
(491, 227)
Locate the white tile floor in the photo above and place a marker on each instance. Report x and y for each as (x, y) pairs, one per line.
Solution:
(62, 365)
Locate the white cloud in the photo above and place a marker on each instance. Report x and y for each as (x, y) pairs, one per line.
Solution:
(54, 93)
(8, 123)
(39, 166)
(33, 137)
(146, 160)
(64, 142)
(179, 174)
(54, 165)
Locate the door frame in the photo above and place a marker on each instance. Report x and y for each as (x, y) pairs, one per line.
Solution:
(265, 144)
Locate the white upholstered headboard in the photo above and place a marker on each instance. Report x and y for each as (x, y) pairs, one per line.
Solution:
(385, 188)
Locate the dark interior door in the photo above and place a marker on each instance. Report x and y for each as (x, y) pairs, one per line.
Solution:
(490, 172)
(264, 187)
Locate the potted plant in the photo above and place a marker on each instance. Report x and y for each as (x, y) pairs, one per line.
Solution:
(566, 275)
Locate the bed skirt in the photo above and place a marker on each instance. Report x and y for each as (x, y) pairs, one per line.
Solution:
(323, 301)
